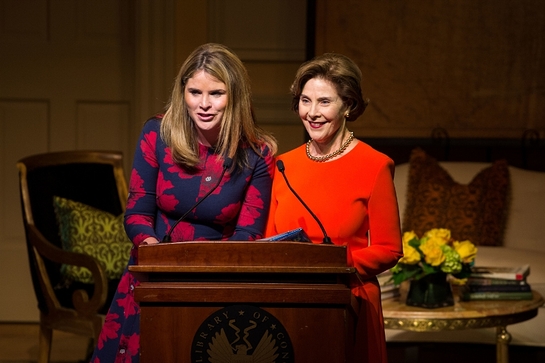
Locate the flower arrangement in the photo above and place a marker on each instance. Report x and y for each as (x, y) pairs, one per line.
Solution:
(435, 252)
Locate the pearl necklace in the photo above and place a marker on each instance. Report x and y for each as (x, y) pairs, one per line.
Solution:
(321, 159)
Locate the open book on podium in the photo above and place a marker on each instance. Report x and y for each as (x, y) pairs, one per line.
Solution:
(218, 300)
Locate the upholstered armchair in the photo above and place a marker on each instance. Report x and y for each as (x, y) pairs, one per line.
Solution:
(73, 287)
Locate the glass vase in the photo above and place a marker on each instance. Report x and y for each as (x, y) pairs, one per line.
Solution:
(430, 292)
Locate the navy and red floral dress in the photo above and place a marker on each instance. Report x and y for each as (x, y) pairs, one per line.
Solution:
(160, 192)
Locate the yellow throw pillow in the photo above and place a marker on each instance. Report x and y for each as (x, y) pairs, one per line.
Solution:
(99, 234)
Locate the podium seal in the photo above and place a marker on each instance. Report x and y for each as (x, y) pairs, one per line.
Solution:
(241, 333)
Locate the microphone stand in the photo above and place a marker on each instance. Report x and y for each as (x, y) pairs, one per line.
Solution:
(226, 165)
(281, 168)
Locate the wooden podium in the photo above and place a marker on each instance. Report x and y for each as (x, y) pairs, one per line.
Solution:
(244, 302)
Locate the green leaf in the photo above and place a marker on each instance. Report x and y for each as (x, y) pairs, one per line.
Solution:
(415, 242)
(428, 269)
(403, 272)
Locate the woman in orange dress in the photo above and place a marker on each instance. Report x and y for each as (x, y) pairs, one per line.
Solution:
(346, 183)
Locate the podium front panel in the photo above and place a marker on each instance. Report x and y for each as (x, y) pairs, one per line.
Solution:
(244, 302)
(305, 333)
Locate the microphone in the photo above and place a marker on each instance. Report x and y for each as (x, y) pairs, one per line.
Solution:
(226, 165)
(281, 168)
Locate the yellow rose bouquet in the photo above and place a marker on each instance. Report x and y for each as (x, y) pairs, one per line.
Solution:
(435, 252)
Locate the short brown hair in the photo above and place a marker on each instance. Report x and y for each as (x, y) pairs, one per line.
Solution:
(342, 72)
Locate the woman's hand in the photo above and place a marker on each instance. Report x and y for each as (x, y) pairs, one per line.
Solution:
(150, 241)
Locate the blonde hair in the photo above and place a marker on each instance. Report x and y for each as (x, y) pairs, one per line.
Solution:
(342, 72)
(238, 125)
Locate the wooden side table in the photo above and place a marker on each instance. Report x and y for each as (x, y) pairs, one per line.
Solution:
(464, 315)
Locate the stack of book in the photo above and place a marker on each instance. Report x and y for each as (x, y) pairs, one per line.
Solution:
(498, 283)
(387, 288)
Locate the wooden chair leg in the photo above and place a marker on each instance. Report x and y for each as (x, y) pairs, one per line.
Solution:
(44, 344)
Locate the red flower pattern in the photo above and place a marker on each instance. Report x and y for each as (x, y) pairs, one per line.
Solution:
(137, 220)
(136, 188)
(251, 208)
(147, 145)
(138, 239)
(225, 216)
(183, 232)
(109, 329)
(127, 302)
(129, 347)
(173, 168)
(167, 202)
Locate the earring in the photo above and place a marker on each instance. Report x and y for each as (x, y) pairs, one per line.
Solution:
(347, 114)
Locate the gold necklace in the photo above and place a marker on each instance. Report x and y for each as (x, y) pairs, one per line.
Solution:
(321, 159)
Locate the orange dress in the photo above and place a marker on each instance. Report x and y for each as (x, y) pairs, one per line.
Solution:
(354, 198)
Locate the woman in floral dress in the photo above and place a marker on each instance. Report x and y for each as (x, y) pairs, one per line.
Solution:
(207, 137)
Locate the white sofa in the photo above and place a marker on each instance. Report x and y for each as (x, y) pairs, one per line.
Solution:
(524, 242)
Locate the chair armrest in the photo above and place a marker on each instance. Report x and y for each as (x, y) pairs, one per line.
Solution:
(45, 249)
